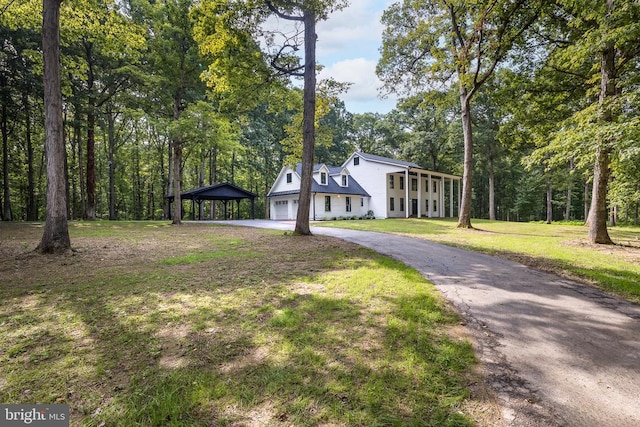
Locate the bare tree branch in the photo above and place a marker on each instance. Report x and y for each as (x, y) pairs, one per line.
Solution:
(282, 15)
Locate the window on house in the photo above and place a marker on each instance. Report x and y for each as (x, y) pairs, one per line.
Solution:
(414, 184)
(402, 182)
(289, 178)
(391, 181)
(323, 178)
(392, 204)
(361, 202)
(344, 180)
(348, 207)
(356, 161)
(435, 206)
(401, 204)
(327, 203)
(435, 186)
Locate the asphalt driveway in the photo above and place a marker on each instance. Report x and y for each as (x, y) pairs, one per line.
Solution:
(557, 352)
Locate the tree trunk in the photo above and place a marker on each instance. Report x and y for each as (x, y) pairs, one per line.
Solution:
(492, 190)
(177, 164)
(55, 238)
(177, 183)
(112, 166)
(586, 202)
(7, 214)
(597, 220)
(167, 206)
(598, 213)
(613, 217)
(567, 211)
(90, 212)
(213, 176)
(636, 212)
(32, 214)
(308, 122)
(549, 200)
(464, 219)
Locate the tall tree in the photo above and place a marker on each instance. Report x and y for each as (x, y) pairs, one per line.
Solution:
(440, 39)
(307, 12)
(597, 41)
(105, 43)
(55, 238)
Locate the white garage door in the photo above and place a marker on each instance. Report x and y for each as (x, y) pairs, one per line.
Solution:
(281, 210)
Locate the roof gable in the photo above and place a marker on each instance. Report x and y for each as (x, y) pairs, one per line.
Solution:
(381, 159)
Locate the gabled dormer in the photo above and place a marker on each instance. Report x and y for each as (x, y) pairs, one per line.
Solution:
(343, 178)
(322, 176)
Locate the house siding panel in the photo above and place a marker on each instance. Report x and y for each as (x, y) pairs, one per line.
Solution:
(281, 184)
(377, 183)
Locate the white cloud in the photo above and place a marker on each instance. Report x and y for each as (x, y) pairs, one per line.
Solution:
(348, 47)
(356, 29)
(363, 92)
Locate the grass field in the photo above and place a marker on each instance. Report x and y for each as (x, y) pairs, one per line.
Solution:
(148, 324)
(557, 248)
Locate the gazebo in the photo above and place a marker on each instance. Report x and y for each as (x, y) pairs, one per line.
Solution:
(222, 191)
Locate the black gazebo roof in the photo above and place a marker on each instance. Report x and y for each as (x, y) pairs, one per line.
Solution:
(221, 191)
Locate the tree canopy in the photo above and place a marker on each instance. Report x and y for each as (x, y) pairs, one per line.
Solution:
(535, 104)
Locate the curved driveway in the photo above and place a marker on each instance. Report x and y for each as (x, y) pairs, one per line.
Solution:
(557, 353)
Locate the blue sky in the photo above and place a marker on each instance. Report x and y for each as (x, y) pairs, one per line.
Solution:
(348, 47)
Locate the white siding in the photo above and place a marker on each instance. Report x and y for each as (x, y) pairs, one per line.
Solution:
(281, 182)
(372, 176)
(338, 207)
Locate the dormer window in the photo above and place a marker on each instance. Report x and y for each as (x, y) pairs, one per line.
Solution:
(345, 180)
(356, 161)
(323, 178)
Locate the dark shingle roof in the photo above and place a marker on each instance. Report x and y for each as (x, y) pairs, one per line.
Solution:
(354, 188)
(375, 158)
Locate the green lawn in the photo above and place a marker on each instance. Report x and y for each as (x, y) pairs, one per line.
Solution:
(558, 248)
(155, 325)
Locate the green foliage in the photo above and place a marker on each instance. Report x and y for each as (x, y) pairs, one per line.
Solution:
(237, 74)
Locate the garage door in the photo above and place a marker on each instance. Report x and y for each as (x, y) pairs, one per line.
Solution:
(281, 210)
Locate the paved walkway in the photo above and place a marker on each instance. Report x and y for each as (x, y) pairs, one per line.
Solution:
(557, 353)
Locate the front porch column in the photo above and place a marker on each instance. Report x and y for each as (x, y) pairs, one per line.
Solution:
(442, 211)
(429, 196)
(419, 195)
(406, 193)
(450, 197)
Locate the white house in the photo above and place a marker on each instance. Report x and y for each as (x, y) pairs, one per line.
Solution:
(387, 187)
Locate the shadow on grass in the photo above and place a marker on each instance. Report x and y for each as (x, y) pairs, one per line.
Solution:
(315, 370)
(231, 343)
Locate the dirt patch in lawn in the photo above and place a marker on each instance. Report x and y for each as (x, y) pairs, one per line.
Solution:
(628, 250)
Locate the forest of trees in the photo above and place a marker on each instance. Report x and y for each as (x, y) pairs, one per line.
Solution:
(167, 91)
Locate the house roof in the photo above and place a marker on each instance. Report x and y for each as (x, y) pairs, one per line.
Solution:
(388, 160)
(220, 191)
(332, 187)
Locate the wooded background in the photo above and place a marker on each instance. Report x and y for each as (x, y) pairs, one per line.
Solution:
(140, 76)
